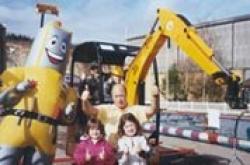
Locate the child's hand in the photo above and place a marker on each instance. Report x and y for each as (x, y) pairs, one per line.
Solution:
(152, 141)
(87, 156)
(126, 151)
(102, 154)
(137, 149)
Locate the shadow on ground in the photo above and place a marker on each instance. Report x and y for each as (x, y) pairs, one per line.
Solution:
(197, 160)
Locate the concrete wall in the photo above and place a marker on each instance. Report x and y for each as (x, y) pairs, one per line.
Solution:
(242, 45)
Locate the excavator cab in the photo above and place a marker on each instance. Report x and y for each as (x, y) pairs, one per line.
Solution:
(102, 53)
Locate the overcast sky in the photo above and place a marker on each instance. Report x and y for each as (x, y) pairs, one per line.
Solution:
(112, 20)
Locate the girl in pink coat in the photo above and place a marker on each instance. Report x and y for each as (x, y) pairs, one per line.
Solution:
(94, 150)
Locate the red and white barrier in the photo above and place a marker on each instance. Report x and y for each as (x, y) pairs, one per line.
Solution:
(208, 137)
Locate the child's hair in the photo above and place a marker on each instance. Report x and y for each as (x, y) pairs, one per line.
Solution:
(94, 123)
(129, 117)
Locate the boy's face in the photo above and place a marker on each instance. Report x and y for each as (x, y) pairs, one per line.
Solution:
(95, 133)
(129, 128)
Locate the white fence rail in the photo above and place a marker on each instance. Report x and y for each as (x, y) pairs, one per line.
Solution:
(194, 106)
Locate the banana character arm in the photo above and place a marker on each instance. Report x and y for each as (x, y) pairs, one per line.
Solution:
(69, 113)
(11, 96)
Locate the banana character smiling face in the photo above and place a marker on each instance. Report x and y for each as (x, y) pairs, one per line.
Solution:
(56, 48)
(51, 48)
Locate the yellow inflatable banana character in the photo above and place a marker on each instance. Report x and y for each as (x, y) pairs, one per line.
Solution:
(34, 100)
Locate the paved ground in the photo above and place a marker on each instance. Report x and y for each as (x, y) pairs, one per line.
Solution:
(61, 145)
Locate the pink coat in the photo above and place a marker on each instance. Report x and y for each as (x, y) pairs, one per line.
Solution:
(94, 150)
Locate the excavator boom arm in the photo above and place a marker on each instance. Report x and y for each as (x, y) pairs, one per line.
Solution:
(177, 29)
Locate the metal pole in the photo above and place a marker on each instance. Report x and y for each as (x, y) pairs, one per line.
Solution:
(42, 20)
(72, 72)
(157, 131)
(233, 48)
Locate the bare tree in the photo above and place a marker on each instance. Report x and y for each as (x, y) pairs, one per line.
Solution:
(197, 85)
